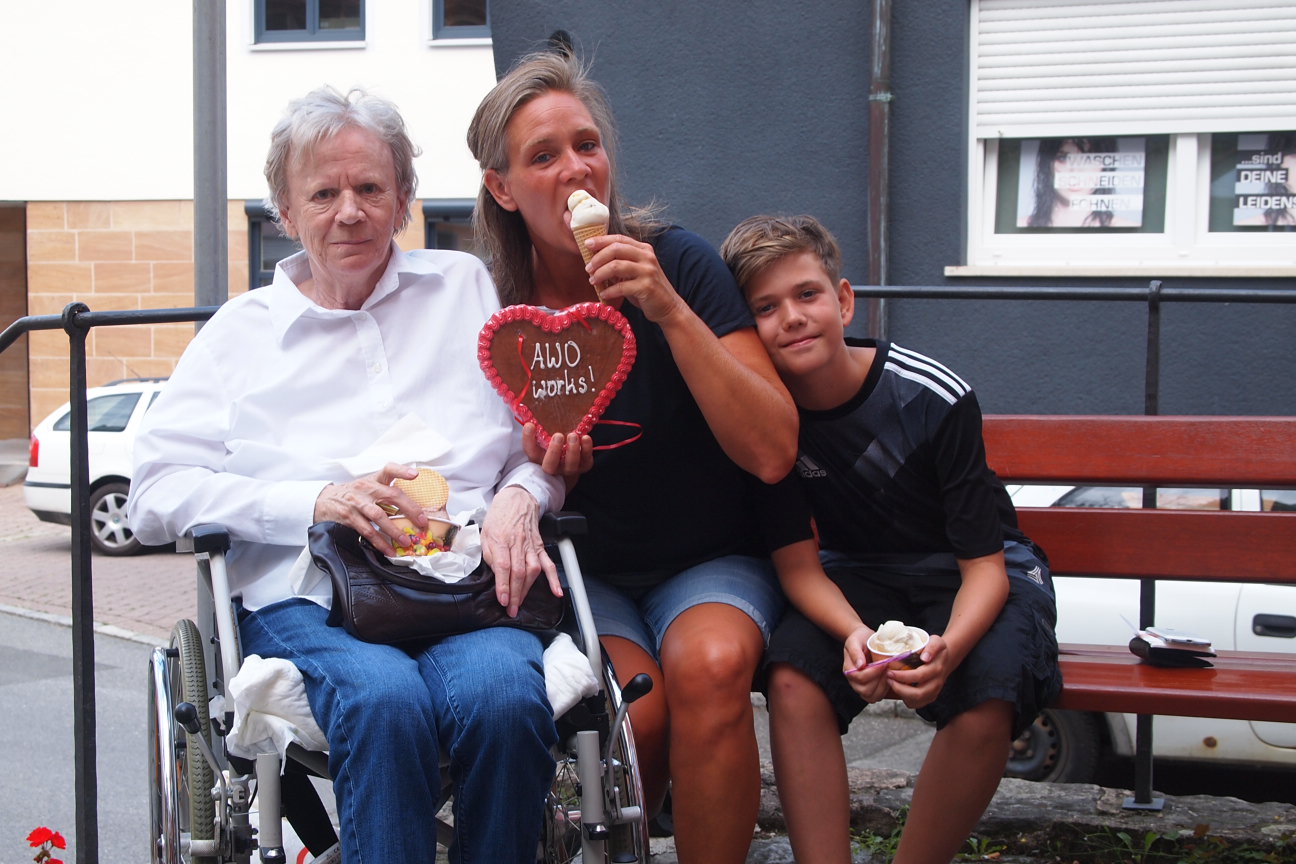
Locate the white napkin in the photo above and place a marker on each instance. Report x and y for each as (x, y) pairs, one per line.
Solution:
(270, 709)
(568, 676)
(457, 562)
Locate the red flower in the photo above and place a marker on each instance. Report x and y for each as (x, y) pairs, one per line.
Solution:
(58, 842)
(42, 835)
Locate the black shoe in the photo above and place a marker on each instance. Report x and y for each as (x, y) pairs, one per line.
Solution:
(663, 824)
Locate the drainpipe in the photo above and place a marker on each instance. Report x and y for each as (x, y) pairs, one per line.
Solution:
(879, 158)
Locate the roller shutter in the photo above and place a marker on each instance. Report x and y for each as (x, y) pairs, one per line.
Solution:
(1060, 67)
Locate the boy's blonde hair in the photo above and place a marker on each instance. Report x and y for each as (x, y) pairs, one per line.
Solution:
(756, 243)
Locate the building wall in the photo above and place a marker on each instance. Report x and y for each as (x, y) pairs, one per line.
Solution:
(14, 421)
(735, 107)
(107, 179)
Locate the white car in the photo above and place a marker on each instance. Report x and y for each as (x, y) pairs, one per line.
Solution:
(1067, 746)
(114, 412)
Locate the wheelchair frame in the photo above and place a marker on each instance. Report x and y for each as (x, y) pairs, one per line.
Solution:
(202, 800)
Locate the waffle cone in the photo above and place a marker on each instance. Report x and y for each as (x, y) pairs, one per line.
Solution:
(429, 490)
(583, 234)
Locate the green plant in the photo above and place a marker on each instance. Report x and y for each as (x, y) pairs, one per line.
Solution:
(1196, 847)
(878, 845)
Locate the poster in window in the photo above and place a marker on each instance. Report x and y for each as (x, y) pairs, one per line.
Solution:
(1264, 182)
(1081, 183)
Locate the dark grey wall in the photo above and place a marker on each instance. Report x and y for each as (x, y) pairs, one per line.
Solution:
(733, 107)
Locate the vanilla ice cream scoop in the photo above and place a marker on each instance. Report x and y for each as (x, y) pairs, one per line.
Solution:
(893, 638)
(589, 218)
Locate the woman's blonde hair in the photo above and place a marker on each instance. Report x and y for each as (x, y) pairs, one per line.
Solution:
(502, 234)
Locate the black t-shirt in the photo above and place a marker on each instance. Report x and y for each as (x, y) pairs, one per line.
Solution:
(900, 468)
(672, 498)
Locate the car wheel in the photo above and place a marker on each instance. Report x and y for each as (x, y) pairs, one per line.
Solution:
(109, 531)
(1058, 747)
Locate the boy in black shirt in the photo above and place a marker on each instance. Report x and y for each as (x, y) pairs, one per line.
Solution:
(913, 526)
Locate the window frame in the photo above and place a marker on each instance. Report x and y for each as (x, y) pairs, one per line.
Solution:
(441, 32)
(439, 212)
(258, 216)
(1187, 247)
(1020, 90)
(311, 35)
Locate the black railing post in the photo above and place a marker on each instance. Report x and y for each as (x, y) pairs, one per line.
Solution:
(83, 651)
(1143, 799)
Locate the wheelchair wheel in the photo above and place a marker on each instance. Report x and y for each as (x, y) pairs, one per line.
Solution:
(180, 780)
(628, 840)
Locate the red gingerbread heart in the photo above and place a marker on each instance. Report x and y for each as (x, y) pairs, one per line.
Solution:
(559, 370)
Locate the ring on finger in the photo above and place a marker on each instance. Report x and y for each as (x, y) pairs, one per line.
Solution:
(387, 507)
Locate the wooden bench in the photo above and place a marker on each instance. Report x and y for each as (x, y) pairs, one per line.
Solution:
(1149, 544)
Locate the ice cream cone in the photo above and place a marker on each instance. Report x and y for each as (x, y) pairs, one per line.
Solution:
(585, 233)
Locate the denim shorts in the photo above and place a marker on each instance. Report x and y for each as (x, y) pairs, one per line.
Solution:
(744, 582)
(1015, 661)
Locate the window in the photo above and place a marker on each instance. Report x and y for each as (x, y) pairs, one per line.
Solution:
(1114, 139)
(104, 413)
(447, 224)
(267, 246)
(309, 20)
(460, 19)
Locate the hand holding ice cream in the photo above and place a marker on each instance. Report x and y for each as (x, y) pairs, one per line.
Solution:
(896, 641)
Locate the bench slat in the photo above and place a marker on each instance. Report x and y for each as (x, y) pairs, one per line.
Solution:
(1136, 451)
(1240, 686)
(1166, 544)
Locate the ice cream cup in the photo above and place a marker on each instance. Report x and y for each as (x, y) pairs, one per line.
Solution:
(910, 659)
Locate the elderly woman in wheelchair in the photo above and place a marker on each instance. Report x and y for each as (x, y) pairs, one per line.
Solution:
(299, 403)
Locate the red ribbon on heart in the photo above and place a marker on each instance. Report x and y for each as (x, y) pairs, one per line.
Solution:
(558, 370)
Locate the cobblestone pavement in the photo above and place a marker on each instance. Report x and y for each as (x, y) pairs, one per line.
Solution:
(140, 595)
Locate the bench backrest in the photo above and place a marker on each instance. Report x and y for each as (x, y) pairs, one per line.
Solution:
(1222, 452)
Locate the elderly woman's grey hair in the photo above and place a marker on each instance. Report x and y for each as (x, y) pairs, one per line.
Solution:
(501, 233)
(325, 112)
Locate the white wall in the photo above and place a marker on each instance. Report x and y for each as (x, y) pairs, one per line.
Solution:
(100, 97)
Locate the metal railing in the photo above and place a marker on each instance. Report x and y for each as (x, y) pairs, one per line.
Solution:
(77, 320)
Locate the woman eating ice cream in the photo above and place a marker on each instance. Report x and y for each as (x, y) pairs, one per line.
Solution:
(694, 611)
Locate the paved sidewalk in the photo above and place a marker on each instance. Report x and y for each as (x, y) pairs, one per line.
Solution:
(137, 597)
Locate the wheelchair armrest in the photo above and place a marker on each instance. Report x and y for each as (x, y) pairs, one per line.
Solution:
(208, 538)
(564, 523)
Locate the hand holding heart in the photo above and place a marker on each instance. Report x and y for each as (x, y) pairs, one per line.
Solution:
(557, 371)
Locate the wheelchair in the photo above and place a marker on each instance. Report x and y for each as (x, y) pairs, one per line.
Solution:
(208, 806)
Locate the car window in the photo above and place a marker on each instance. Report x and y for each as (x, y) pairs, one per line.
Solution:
(1278, 499)
(1132, 497)
(105, 413)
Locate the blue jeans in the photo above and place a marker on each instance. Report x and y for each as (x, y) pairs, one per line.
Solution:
(476, 700)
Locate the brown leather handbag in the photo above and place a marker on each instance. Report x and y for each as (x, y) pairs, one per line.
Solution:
(377, 601)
